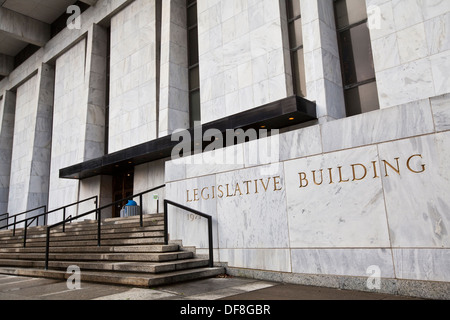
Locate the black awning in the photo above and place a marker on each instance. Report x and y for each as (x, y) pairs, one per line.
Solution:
(276, 115)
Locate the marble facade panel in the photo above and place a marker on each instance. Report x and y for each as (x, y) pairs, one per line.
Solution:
(388, 124)
(422, 264)
(189, 228)
(441, 112)
(417, 201)
(336, 200)
(344, 262)
(260, 259)
(69, 125)
(242, 57)
(252, 210)
(133, 53)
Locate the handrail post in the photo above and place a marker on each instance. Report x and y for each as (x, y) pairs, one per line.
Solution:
(64, 220)
(210, 239)
(14, 228)
(141, 209)
(166, 226)
(99, 226)
(210, 227)
(25, 234)
(47, 248)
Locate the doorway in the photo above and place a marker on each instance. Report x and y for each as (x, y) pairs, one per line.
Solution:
(122, 186)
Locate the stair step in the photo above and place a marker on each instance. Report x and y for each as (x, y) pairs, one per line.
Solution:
(135, 267)
(153, 257)
(129, 254)
(95, 249)
(143, 280)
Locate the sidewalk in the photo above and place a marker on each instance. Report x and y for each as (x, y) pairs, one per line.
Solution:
(21, 288)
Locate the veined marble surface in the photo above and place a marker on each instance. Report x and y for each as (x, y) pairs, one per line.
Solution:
(418, 204)
(336, 214)
(253, 220)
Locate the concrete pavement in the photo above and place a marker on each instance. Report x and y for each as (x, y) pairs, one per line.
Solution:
(228, 288)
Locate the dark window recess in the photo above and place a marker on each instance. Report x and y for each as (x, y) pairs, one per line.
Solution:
(296, 46)
(23, 55)
(193, 62)
(358, 72)
(61, 22)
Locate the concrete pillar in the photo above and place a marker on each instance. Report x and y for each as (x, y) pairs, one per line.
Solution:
(40, 168)
(322, 63)
(31, 150)
(96, 90)
(174, 90)
(7, 112)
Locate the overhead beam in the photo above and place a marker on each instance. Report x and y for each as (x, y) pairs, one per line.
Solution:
(24, 28)
(6, 65)
(89, 2)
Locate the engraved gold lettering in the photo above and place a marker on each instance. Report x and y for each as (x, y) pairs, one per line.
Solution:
(276, 182)
(408, 164)
(220, 192)
(196, 195)
(354, 171)
(228, 191)
(321, 177)
(374, 163)
(303, 180)
(188, 200)
(246, 185)
(238, 188)
(386, 164)
(340, 176)
(331, 175)
(203, 190)
(265, 186)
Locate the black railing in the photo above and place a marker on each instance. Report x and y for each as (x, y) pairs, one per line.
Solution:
(98, 213)
(29, 221)
(210, 231)
(15, 223)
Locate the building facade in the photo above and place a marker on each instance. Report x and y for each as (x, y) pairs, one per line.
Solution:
(314, 132)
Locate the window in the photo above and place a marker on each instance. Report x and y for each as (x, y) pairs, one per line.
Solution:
(296, 46)
(193, 62)
(358, 70)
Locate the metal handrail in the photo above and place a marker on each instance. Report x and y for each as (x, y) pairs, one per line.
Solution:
(28, 221)
(98, 212)
(19, 214)
(201, 214)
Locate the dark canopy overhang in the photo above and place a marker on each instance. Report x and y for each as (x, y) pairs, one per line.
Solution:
(276, 115)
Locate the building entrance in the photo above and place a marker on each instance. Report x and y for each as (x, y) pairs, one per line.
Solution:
(122, 186)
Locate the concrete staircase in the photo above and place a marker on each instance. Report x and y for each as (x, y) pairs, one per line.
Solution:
(129, 255)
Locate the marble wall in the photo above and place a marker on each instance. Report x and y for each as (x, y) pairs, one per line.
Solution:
(30, 159)
(26, 108)
(133, 109)
(242, 56)
(7, 109)
(174, 83)
(69, 122)
(411, 48)
(322, 208)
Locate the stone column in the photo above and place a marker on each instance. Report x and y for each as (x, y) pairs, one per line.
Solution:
(322, 63)
(174, 90)
(7, 112)
(31, 150)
